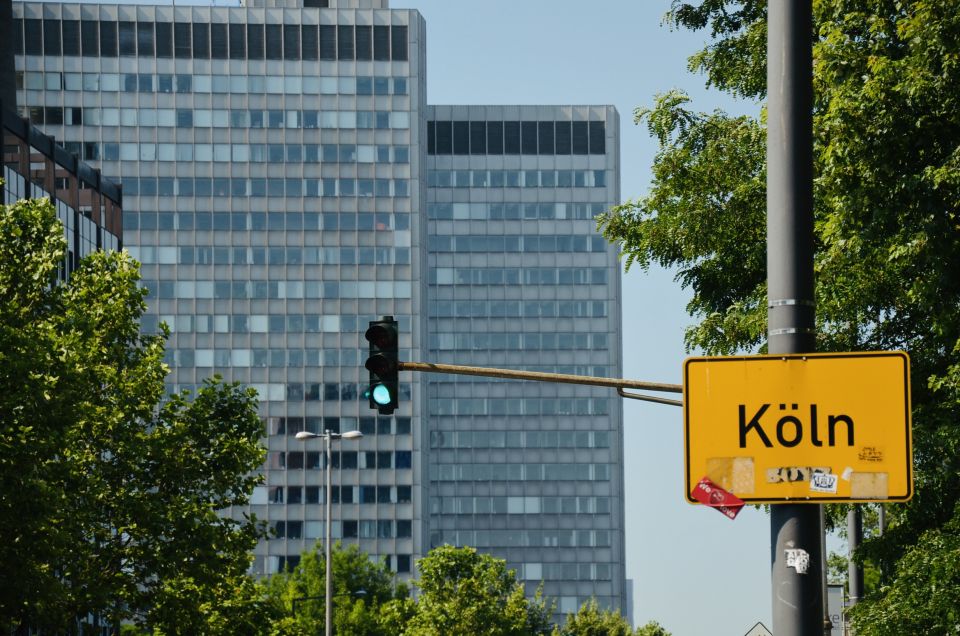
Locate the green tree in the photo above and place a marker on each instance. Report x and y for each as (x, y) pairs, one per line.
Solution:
(110, 492)
(652, 628)
(367, 601)
(465, 592)
(928, 583)
(887, 197)
(590, 620)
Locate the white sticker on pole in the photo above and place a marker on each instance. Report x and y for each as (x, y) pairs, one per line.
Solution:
(799, 560)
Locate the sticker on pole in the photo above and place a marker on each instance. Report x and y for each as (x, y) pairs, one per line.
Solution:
(710, 494)
(798, 559)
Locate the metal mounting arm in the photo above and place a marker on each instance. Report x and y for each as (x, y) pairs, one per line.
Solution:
(617, 383)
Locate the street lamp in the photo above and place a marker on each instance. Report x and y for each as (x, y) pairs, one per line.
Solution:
(329, 436)
(359, 594)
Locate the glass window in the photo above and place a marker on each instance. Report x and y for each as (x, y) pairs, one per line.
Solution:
(90, 38)
(580, 143)
(444, 137)
(51, 37)
(345, 42)
(309, 42)
(145, 39)
(511, 137)
(381, 43)
(528, 137)
(597, 138)
(238, 41)
(201, 40)
(53, 115)
(33, 36)
(478, 137)
(291, 42)
(52, 81)
(274, 84)
(254, 41)
(164, 39)
(181, 40)
(398, 43)
(461, 137)
(71, 37)
(274, 41)
(127, 37)
(364, 42)
(562, 137)
(328, 42)
(545, 135)
(108, 39)
(218, 41)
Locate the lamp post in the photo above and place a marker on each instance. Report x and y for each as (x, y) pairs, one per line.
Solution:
(360, 594)
(329, 436)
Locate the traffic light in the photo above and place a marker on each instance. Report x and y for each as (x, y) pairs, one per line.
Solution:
(384, 365)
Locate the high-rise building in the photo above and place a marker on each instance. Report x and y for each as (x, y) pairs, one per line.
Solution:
(88, 205)
(285, 183)
(519, 278)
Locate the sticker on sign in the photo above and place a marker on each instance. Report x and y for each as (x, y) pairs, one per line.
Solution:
(716, 497)
(824, 482)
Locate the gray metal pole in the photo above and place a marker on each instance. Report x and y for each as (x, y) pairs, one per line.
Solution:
(824, 583)
(794, 528)
(854, 569)
(328, 565)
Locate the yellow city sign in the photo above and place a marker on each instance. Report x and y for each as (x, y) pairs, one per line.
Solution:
(793, 428)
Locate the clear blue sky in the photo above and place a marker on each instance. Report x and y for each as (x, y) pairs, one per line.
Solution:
(694, 570)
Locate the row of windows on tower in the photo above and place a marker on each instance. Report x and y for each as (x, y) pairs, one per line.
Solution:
(516, 137)
(218, 41)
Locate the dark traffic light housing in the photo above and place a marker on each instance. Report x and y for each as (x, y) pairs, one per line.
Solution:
(384, 365)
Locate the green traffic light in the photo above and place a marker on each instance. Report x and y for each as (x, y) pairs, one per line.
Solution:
(381, 395)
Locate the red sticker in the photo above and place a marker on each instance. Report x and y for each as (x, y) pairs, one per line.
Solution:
(710, 494)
